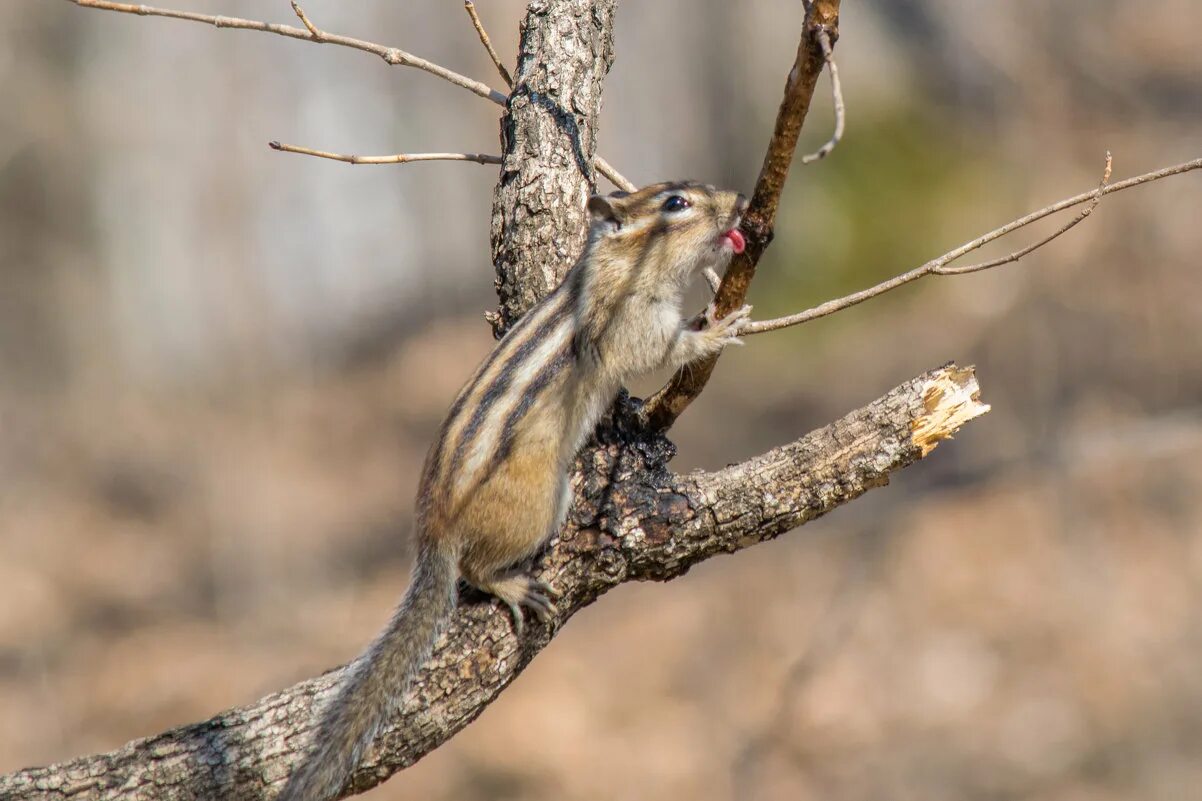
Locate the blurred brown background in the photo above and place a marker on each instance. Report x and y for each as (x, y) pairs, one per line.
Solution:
(220, 367)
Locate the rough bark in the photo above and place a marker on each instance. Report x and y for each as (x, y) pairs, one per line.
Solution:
(548, 138)
(633, 520)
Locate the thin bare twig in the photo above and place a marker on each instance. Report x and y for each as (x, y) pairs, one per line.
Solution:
(828, 54)
(405, 158)
(1018, 254)
(315, 34)
(399, 158)
(470, 8)
(311, 33)
(939, 266)
(391, 55)
(615, 177)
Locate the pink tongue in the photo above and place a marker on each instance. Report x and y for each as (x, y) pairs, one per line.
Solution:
(736, 240)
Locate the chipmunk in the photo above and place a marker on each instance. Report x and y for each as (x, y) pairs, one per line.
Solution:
(495, 487)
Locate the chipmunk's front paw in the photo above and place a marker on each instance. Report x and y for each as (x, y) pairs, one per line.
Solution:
(726, 331)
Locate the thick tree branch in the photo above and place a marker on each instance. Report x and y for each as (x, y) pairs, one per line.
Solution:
(633, 521)
(821, 21)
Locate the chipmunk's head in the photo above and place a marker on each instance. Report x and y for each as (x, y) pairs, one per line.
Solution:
(667, 231)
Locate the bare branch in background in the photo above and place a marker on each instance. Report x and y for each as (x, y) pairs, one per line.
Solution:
(470, 8)
(939, 266)
(399, 158)
(821, 21)
(311, 33)
(828, 634)
(828, 54)
(391, 55)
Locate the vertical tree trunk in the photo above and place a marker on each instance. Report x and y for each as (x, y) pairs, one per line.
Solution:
(548, 137)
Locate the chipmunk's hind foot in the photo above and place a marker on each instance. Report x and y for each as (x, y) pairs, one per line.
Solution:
(519, 589)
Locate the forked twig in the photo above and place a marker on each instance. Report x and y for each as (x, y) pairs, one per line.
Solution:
(399, 158)
(311, 33)
(391, 55)
(314, 33)
(828, 54)
(939, 266)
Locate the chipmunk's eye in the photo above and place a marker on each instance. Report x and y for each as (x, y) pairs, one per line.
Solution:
(676, 203)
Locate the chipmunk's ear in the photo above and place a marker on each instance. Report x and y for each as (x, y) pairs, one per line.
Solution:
(607, 209)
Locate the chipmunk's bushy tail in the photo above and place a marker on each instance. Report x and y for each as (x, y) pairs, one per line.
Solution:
(376, 681)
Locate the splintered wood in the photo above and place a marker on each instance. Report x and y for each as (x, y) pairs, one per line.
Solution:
(950, 399)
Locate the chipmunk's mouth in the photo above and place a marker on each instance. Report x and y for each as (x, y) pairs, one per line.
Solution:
(735, 238)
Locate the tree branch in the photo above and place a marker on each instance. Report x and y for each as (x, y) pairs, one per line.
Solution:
(397, 158)
(616, 178)
(470, 8)
(311, 33)
(821, 18)
(601, 164)
(392, 55)
(939, 266)
(633, 521)
(828, 55)
(314, 33)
